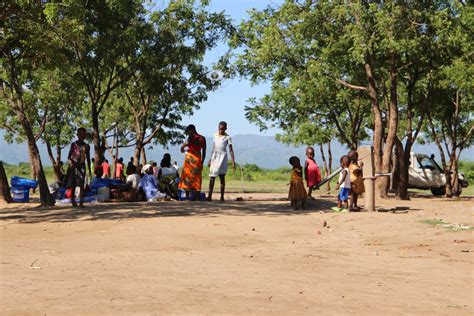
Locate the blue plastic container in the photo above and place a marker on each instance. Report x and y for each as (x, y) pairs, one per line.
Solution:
(24, 183)
(20, 194)
(182, 196)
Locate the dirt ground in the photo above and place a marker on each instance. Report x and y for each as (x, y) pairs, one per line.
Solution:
(255, 256)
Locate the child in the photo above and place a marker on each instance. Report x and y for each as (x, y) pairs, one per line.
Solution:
(357, 183)
(106, 169)
(167, 175)
(155, 169)
(79, 158)
(311, 171)
(119, 169)
(133, 178)
(218, 162)
(344, 183)
(297, 190)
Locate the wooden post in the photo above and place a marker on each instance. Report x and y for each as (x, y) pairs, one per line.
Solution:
(367, 155)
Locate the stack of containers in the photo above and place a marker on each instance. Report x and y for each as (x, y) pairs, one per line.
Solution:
(20, 189)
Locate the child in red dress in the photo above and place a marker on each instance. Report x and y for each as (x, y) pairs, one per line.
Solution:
(311, 171)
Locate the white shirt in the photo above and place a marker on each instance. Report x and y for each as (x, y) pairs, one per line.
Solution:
(347, 180)
(221, 142)
(134, 179)
(168, 171)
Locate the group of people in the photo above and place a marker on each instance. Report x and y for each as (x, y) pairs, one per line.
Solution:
(119, 170)
(151, 182)
(350, 182)
(195, 148)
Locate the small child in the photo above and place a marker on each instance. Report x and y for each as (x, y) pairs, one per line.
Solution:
(357, 182)
(312, 174)
(297, 190)
(344, 183)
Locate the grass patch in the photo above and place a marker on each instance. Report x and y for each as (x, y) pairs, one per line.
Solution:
(439, 223)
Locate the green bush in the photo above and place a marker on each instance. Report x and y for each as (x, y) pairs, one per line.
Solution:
(23, 170)
(467, 167)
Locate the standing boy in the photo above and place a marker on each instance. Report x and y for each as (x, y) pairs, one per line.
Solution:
(79, 158)
(345, 184)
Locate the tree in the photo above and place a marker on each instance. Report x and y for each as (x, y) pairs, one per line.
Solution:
(64, 100)
(169, 79)
(450, 119)
(366, 50)
(4, 187)
(22, 53)
(100, 41)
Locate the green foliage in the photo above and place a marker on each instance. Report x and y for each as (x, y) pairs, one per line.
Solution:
(23, 170)
(467, 168)
(169, 79)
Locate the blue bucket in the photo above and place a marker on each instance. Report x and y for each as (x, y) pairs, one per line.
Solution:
(20, 194)
(182, 196)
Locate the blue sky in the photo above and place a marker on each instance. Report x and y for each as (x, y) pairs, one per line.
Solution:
(228, 102)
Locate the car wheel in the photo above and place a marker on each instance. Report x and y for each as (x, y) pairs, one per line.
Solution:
(438, 191)
(458, 191)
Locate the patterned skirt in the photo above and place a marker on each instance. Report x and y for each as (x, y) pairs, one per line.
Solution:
(297, 191)
(191, 175)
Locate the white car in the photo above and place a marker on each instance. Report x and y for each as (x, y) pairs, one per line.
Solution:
(424, 173)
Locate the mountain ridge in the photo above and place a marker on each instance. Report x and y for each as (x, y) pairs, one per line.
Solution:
(261, 150)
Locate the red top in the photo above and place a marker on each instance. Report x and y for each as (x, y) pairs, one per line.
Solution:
(313, 175)
(106, 168)
(196, 144)
(118, 170)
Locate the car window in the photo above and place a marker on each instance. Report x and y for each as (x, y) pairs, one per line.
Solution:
(426, 163)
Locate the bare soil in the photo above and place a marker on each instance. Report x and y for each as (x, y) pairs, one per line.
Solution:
(255, 256)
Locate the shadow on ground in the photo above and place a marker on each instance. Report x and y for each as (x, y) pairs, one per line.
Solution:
(119, 211)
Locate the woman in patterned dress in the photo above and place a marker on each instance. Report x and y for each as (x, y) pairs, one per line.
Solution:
(191, 175)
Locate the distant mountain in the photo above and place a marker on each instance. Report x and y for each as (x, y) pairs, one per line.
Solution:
(263, 151)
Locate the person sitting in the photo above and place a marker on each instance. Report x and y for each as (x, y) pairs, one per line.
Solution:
(133, 178)
(149, 185)
(98, 174)
(167, 176)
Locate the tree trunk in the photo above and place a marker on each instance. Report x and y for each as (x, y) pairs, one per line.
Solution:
(377, 113)
(33, 170)
(392, 129)
(396, 165)
(4, 187)
(329, 165)
(136, 153)
(453, 170)
(143, 155)
(325, 164)
(403, 167)
(54, 162)
(45, 196)
(98, 148)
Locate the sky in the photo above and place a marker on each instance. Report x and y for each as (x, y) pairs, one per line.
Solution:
(228, 102)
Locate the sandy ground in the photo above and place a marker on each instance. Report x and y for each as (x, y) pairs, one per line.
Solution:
(252, 257)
